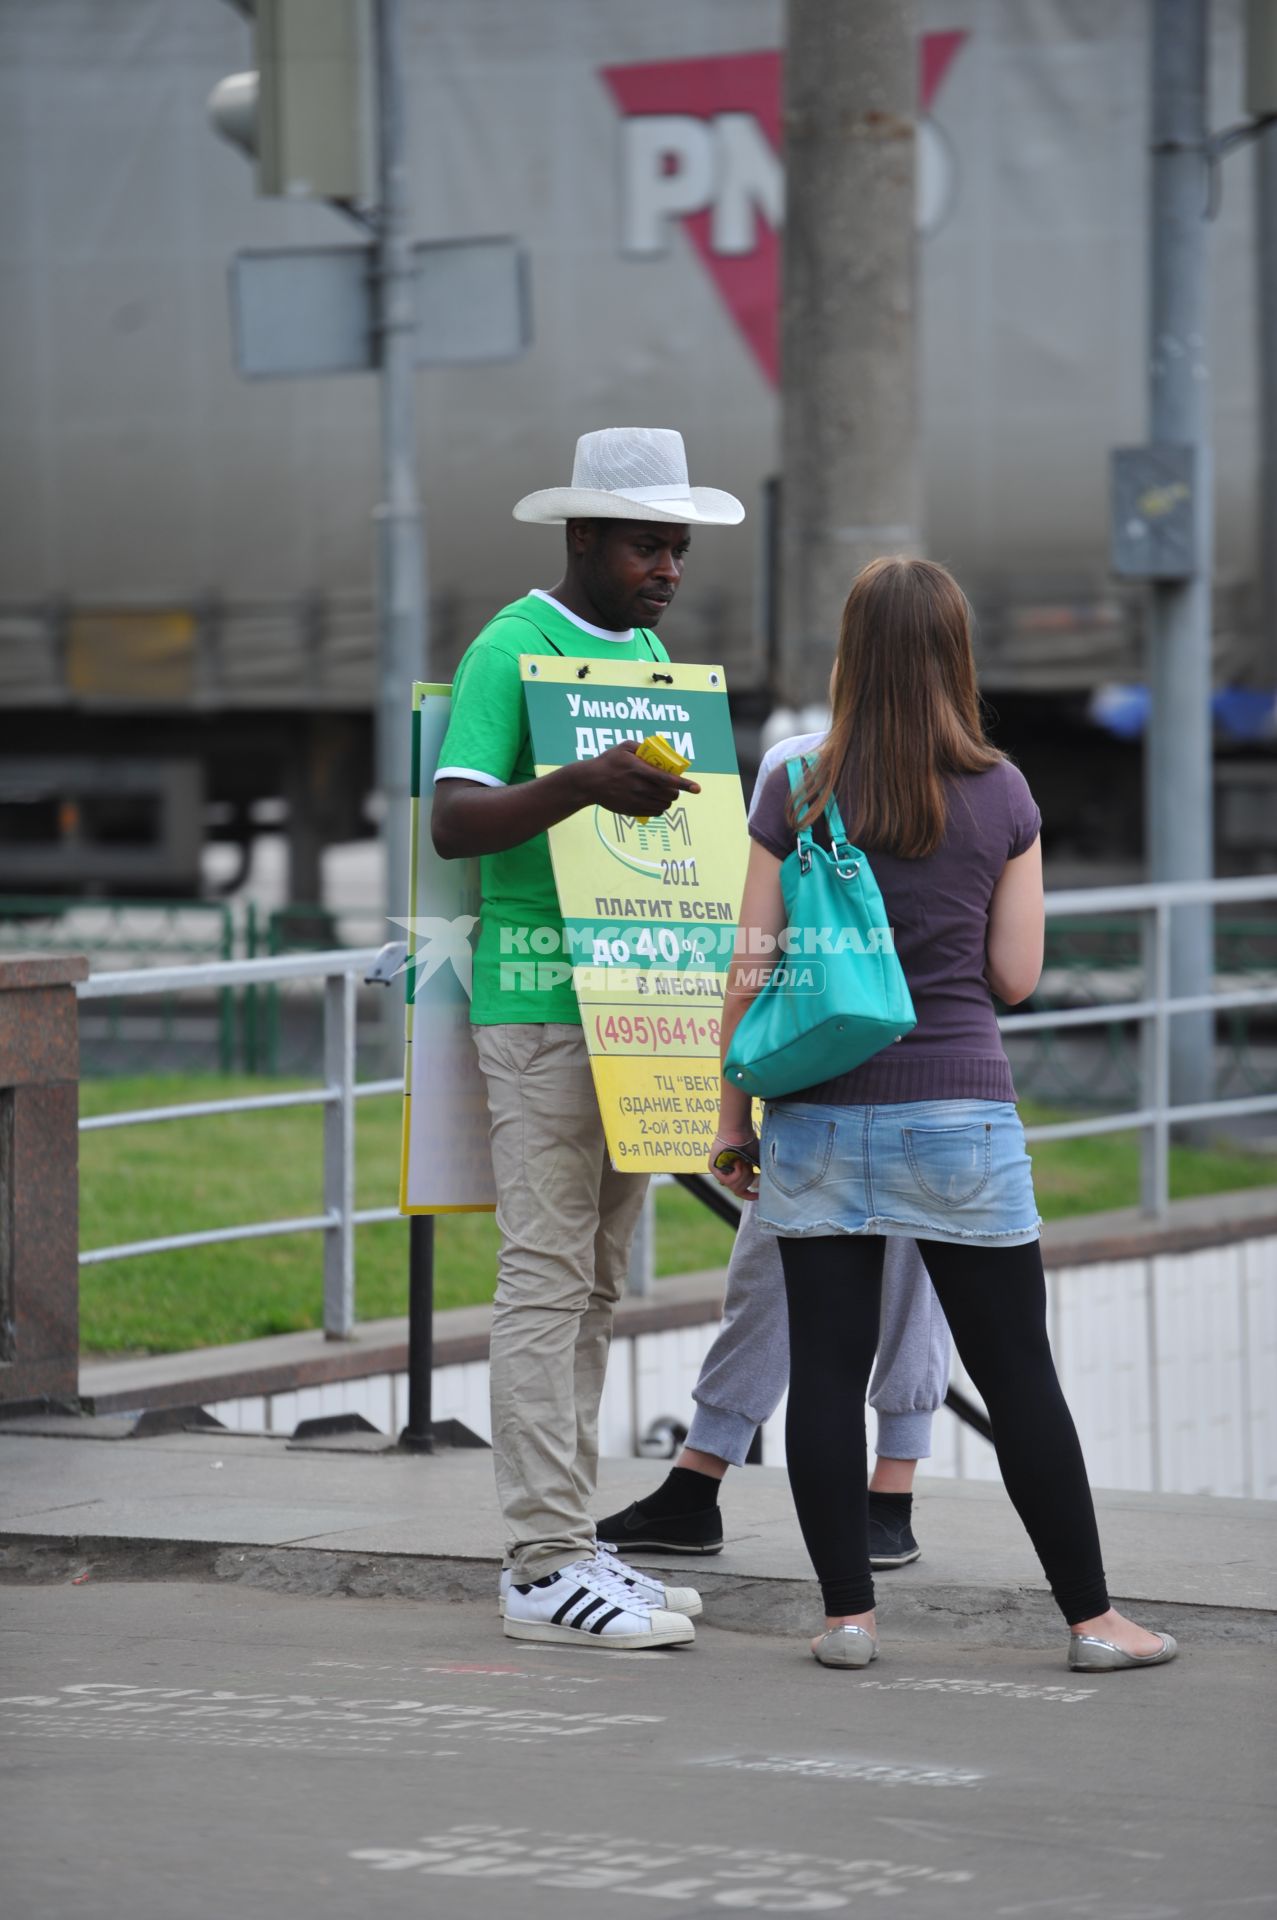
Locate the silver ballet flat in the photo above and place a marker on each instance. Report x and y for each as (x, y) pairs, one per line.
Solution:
(1089, 1654)
(846, 1647)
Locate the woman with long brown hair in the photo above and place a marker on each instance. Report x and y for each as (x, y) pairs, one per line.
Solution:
(923, 1139)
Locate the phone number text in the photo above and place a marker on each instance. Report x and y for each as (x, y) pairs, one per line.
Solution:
(654, 1033)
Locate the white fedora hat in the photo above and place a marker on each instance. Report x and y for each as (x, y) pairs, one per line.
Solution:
(631, 473)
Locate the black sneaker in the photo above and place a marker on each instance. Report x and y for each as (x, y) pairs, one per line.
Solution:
(891, 1541)
(663, 1532)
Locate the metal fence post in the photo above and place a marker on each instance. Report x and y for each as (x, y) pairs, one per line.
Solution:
(1155, 1180)
(1148, 1041)
(418, 1435)
(226, 999)
(401, 548)
(274, 945)
(642, 1272)
(252, 1064)
(339, 1157)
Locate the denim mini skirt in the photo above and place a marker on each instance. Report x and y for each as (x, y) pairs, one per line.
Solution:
(954, 1170)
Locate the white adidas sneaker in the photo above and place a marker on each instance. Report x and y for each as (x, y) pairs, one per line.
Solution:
(677, 1599)
(684, 1600)
(587, 1605)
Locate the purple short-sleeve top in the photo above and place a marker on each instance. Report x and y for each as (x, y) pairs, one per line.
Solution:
(939, 911)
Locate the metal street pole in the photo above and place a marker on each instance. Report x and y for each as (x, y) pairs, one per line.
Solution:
(850, 482)
(1266, 236)
(401, 559)
(401, 617)
(418, 1435)
(1178, 757)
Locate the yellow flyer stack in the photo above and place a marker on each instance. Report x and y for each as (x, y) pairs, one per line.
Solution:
(649, 907)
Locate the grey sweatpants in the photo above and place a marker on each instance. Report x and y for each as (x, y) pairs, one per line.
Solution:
(746, 1370)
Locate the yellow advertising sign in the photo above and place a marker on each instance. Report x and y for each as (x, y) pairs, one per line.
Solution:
(649, 906)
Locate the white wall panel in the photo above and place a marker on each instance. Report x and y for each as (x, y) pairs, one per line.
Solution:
(1101, 1347)
(617, 1431)
(665, 1369)
(774, 1435)
(944, 1446)
(381, 1404)
(1259, 1284)
(458, 1393)
(1198, 1370)
(310, 1404)
(241, 1416)
(283, 1412)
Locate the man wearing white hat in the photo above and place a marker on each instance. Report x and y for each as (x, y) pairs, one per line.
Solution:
(566, 1217)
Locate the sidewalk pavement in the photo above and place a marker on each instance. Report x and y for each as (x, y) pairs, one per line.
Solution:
(76, 1496)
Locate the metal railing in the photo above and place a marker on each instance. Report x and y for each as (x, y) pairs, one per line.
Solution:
(269, 1030)
(1154, 1010)
(1102, 957)
(340, 971)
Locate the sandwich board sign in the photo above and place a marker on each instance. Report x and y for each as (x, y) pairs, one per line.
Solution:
(649, 906)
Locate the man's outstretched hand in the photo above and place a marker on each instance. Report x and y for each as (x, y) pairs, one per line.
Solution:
(468, 818)
(621, 782)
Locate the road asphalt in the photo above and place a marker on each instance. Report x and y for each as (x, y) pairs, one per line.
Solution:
(179, 1750)
(241, 1676)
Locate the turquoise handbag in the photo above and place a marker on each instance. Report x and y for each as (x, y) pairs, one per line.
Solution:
(839, 994)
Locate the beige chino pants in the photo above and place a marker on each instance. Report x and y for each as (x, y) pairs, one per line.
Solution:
(566, 1221)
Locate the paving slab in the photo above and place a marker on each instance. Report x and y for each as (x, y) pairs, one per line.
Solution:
(392, 1522)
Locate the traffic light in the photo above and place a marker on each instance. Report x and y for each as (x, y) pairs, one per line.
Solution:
(306, 114)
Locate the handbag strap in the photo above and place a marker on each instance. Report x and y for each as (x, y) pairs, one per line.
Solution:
(840, 844)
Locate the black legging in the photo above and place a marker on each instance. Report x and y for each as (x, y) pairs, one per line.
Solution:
(995, 1303)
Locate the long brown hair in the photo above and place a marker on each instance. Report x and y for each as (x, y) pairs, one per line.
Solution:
(906, 710)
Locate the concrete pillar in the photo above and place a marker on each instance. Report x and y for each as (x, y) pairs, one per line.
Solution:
(39, 1179)
(849, 487)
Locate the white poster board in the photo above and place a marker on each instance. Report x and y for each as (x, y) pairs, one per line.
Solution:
(446, 1165)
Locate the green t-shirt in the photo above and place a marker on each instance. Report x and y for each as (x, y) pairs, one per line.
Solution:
(488, 741)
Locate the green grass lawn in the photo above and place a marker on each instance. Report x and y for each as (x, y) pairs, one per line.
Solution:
(137, 1183)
